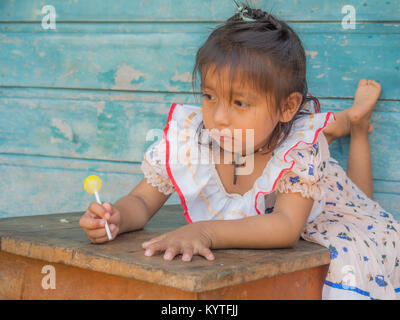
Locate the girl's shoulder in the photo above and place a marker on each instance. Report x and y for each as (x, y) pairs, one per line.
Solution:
(304, 152)
(154, 165)
(185, 114)
(306, 135)
(304, 156)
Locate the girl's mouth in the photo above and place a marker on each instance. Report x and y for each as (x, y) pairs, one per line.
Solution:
(225, 138)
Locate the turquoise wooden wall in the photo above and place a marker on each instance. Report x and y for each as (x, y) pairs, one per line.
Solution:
(79, 99)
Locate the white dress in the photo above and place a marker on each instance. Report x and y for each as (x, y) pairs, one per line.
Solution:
(361, 236)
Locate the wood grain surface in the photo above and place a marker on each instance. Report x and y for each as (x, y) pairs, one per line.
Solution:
(51, 239)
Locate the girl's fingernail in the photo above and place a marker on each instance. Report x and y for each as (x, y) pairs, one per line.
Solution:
(147, 253)
(107, 216)
(168, 256)
(102, 222)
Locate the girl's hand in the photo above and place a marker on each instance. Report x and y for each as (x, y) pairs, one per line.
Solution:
(93, 221)
(187, 240)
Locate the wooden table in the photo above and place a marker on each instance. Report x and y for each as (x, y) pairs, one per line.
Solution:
(120, 270)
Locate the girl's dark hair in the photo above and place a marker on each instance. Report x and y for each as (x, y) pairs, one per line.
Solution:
(266, 53)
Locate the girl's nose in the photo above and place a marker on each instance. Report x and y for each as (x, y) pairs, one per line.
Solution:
(221, 115)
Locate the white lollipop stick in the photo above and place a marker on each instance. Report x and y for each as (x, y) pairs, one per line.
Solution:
(96, 194)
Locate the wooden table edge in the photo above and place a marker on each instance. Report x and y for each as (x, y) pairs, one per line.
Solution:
(72, 257)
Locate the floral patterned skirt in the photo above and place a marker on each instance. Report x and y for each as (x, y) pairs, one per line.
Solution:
(364, 244)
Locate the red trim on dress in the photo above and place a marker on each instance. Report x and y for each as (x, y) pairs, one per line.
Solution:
(318, 105)
(178, 190)
(293, 162)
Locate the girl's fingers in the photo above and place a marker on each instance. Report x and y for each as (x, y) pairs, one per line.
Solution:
(146, 244)
(115, 219)
(171, 252)
(99, 240)
(107, 206)
(114, 230)
(96, 233)
(87, 222)
(92, 215)
(158, 246)
(97, 209)
(101, 234)
(110, 212)
(187, 254)
(206, 253)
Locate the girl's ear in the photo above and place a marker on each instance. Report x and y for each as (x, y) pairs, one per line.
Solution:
(290, 107)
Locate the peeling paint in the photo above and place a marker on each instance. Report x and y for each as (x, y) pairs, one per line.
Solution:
(55, 140)
(71, 72)
(126, 76)
(63, 128)
(156, 98)
(172, 88)
(107, 77)
(16, 41)
(346, 79)
(186, 77)
(100, 107)
(123, 97)
(313, 54)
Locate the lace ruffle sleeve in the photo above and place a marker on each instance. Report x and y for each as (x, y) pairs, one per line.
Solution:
(308, 171)
(154, 169)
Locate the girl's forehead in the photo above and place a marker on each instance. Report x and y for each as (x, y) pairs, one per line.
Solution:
(237, 87)
(238, 83)
(221, 80)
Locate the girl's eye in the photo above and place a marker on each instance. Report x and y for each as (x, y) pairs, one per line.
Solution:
(238, 102)
(241, 104)
(207, 96)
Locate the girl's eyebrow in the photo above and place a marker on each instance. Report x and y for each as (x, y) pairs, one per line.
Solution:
(243, 94)
(206, 87)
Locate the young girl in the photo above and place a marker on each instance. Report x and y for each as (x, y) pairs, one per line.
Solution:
(253, 76)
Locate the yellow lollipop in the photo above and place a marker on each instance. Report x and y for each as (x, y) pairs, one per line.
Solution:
(92, 185)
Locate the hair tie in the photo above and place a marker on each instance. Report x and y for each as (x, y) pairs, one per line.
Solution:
(241, 11)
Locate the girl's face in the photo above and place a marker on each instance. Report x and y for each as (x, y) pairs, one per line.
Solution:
(247, 110)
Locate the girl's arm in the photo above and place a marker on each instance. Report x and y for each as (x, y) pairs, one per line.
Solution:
(280, 229)
(139, 206)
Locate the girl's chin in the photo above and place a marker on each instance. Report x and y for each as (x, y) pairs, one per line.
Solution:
(228, 146)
